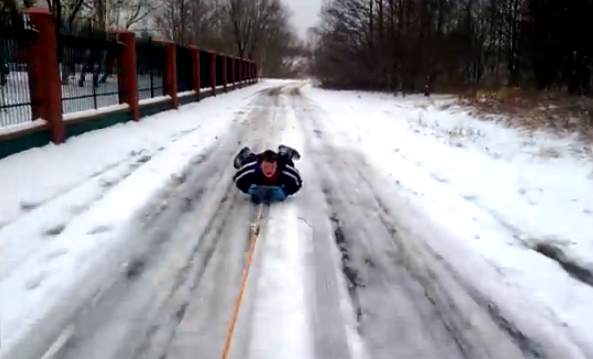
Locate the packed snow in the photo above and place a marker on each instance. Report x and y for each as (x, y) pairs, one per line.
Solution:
(65, 208)
(488, 199)
(282, 256)
(493, 193)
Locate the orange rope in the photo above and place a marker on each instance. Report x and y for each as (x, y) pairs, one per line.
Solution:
(255, 227)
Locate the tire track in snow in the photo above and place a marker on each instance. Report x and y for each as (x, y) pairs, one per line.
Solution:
(189, 279)
(441, 307)
(120, 312)
(350, 272)
(167, 274)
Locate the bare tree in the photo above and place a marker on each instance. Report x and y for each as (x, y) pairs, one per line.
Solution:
(413, 44)
(127, 13)
(186, 21)
(261, 31)
(255, 29)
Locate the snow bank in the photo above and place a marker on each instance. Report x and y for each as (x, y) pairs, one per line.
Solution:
(91, 188)
(498, 192)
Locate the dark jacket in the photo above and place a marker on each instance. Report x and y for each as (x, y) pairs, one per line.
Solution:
(250, 174)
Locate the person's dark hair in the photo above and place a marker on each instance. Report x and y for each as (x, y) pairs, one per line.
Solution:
(269, 156)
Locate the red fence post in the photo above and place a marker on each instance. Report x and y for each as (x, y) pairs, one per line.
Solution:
(224, 72)
(256, 72)
(195, 54)
(127, 80)
(35, 72)
(171, 73)
(44, 68)
(213, 72)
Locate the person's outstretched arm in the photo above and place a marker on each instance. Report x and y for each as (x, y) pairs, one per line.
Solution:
(244, 176)
(291, 180)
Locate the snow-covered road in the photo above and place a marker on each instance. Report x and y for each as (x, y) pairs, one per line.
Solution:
(353, 267)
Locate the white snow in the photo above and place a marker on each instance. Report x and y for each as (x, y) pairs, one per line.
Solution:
(65, 208)
(280, 319)
(186, 93)
(8, 130)
(482, 196)
(95, 112)
(294, 136)
(158, 99)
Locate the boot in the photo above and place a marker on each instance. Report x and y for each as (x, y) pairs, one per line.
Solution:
(289, 152)
(241, 156)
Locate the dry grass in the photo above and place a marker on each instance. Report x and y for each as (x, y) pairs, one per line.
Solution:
(534, 110)
(531, 110)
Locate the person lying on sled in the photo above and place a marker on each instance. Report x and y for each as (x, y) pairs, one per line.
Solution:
(270, 170)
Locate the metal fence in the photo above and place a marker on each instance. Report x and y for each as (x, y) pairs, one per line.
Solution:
(219, 71)
(185, 69)
(229, 70)
(15, 98)
(150, 68)
(204, 69)
(88, 68)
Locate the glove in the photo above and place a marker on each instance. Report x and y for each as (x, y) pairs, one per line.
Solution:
(256, 194)
(253, 191)
(277, 194)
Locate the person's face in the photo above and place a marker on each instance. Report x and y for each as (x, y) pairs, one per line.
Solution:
(269, 168)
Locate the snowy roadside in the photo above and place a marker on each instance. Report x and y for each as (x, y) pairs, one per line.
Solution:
(65, 208)
(497, 198)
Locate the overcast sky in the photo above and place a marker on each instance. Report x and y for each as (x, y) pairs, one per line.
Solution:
(305, 14)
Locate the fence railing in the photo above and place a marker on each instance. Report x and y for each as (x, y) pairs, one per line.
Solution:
(185, 63)
(15, 99)
(84, 69)
(151, 66)
(88, 60)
